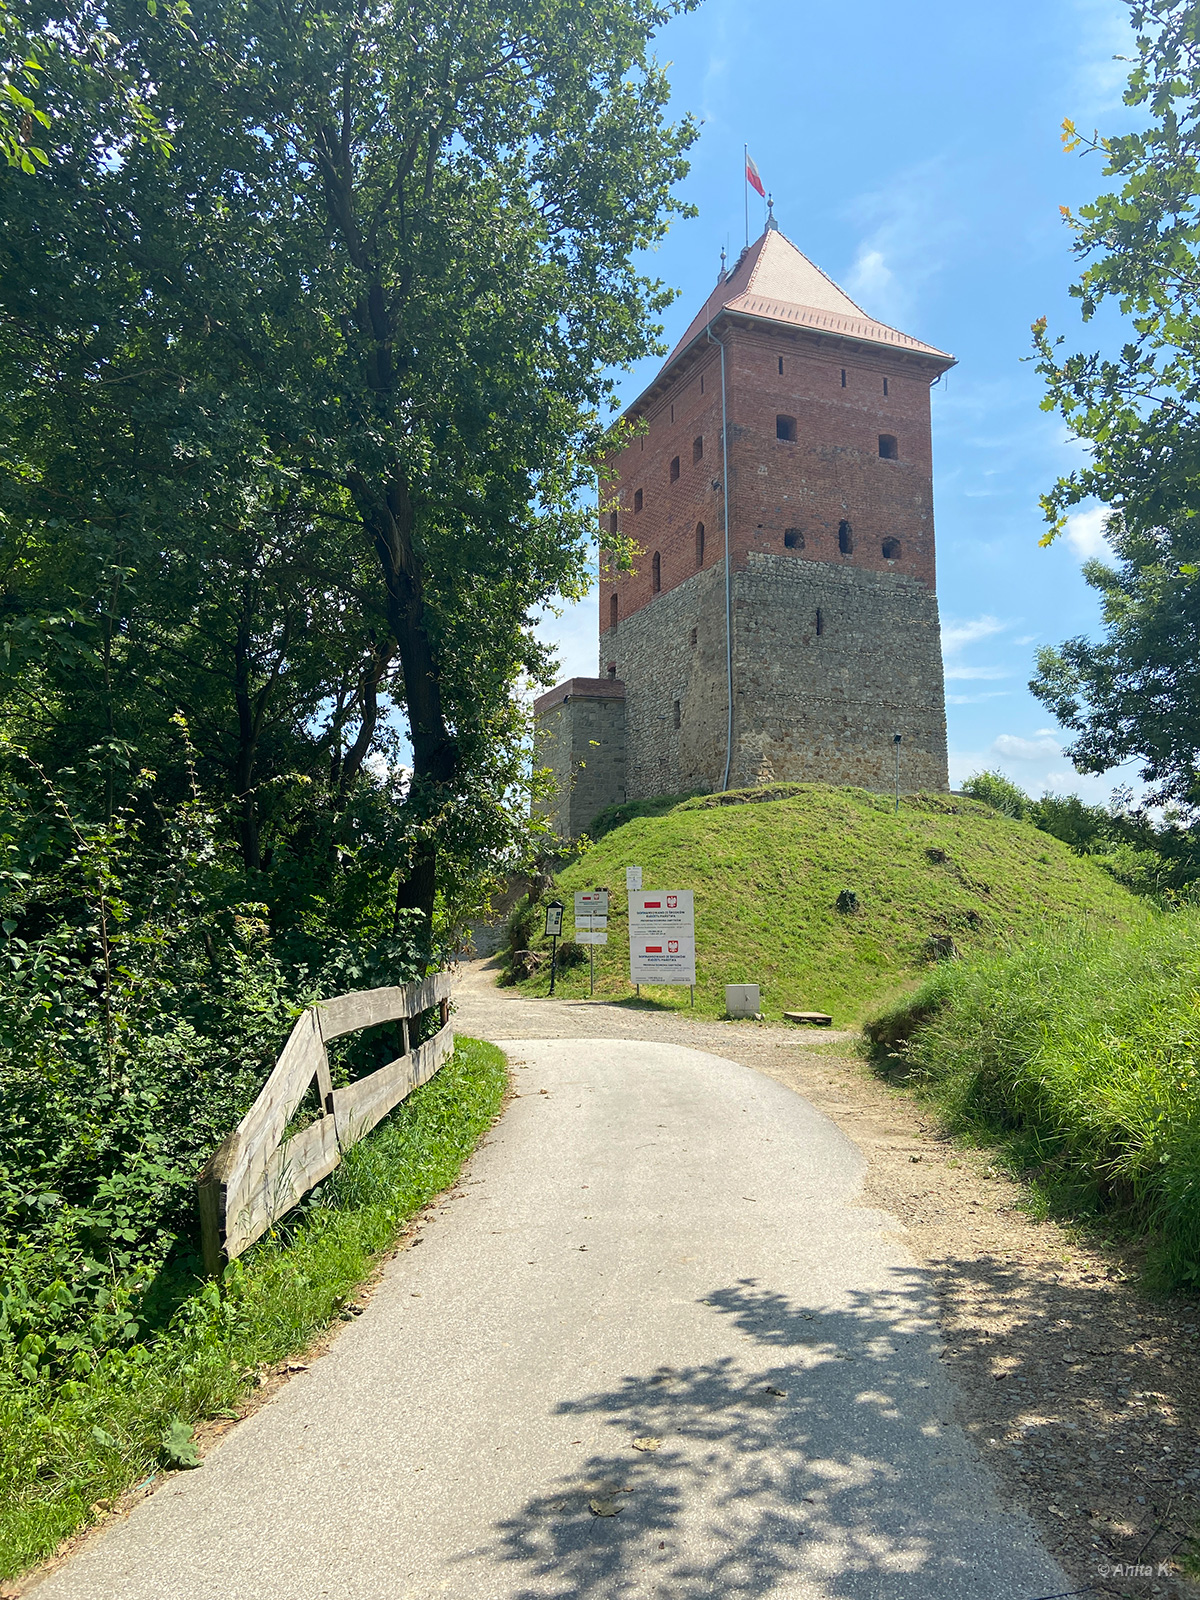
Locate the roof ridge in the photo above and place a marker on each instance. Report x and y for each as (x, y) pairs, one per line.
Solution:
(829, 279)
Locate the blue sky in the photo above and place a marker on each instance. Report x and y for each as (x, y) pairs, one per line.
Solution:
(914, 153)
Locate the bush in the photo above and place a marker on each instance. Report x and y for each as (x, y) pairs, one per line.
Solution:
(143, 1000)
(1082, 1050)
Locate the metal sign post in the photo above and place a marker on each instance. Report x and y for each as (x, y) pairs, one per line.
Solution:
(591, 924)
(554, 916)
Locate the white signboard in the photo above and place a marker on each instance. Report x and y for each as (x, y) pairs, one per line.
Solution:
(593, 903)
(590, 938)
(662, 936)
(591, 923)
(633, 879)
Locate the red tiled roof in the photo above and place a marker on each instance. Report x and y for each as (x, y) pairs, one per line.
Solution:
(778, 283)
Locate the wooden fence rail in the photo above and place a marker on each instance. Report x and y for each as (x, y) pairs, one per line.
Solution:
(253, 1178)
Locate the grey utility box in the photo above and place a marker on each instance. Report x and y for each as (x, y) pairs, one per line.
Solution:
(741, 1000)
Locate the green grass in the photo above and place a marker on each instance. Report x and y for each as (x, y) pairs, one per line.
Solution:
(65, 1447)
(767, 876)
(1078, 1053)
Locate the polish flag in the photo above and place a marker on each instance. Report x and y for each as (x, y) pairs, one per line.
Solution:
(752, 177)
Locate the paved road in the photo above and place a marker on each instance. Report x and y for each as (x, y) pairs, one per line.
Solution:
(655, 1242)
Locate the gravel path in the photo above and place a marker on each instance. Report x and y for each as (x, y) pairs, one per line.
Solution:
(655, 1244)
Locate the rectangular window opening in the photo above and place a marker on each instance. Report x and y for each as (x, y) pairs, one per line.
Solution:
(843, 377)
(674, 469)
(820, 621)
(677, 715)
(781, 366)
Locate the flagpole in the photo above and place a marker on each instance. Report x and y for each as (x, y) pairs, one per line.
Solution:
(746, 188)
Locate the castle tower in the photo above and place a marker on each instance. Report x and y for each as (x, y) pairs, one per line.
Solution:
(782, 623)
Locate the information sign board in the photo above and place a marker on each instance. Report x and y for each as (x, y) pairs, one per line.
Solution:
(591, 923)
(591, 903)
(633, 879)
(662, 936)
(590, 938)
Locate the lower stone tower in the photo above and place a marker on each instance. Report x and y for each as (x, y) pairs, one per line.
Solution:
(782, 623)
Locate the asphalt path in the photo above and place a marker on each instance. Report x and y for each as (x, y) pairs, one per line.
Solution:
(654, 1245)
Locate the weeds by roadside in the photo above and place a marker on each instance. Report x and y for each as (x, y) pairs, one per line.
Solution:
(68, 1448)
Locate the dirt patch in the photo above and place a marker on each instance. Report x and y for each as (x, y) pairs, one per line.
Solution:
(1081, 1392)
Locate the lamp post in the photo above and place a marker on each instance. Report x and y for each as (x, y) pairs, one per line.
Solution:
(896, 737)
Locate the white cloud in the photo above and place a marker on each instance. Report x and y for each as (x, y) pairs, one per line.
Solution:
(1104, 33)
(575, 636)
(981, 673)
(1013, 748)
(977, 699)
(907, 231)
(1085, 533)
(957, 635)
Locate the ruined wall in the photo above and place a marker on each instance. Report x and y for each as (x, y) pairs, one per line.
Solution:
(580, 736)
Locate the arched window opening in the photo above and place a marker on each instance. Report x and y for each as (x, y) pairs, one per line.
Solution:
(793, 539)
(885, 388)
(785, 428)
(891, 550)
(612, 523)
(674, 469)
(699, 545)
(888, 448)
(698, 449)
(613, 610)
(612, 669)
(637, 500)
(656, 573)
(845, 538)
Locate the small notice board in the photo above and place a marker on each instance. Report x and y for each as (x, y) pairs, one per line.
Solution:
(662, 936)
(591, 916)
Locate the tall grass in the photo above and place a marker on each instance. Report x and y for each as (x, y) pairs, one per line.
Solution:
(1083, 1049)
(65, 1447)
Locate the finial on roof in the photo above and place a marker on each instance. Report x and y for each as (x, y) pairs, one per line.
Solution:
(772, 225)
(722, 275)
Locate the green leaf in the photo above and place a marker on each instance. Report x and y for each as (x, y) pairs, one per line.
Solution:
(179, 1445)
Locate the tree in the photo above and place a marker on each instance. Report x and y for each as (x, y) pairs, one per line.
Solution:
(1136, 692)
(387, 266)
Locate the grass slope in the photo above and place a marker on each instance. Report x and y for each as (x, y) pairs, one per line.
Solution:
(69, 1449)
(1076, 1052)
(767, 877)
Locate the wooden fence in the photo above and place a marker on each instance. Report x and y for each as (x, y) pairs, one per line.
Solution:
(256, 1175)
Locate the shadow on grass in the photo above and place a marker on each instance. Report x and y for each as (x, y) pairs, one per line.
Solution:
(821, 1469)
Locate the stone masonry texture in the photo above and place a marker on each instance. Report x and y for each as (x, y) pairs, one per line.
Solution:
(580, 737)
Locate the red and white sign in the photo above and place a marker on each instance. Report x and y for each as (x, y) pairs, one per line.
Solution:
(662, 937)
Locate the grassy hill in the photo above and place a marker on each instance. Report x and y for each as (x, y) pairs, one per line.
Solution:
(767, 876)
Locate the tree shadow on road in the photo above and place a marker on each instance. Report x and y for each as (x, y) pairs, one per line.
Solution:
(823, 1470)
